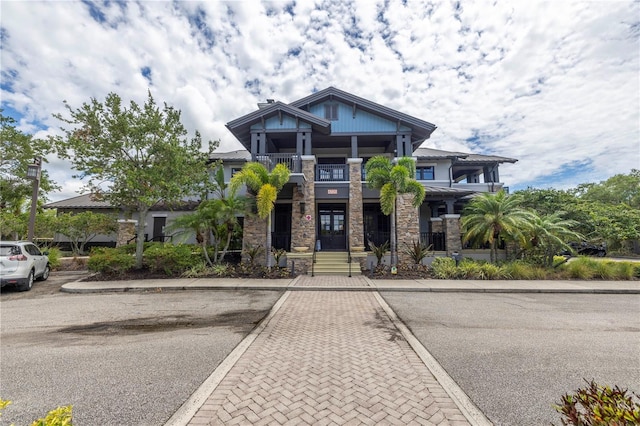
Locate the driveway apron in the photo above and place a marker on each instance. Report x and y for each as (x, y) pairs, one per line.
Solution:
(329, 357)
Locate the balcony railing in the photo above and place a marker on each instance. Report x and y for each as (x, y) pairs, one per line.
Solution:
(292, 161)
(332, 172)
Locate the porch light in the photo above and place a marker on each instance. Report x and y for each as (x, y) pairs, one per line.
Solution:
(33, 171)
(303, 206)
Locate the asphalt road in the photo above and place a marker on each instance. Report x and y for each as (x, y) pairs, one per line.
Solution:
(516, 354)
(119, 359)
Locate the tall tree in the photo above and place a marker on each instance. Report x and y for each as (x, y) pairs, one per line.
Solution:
(492, 216)
(618, 189)
(17, 151)
(266, 186)
(140, 153)
(393, 180)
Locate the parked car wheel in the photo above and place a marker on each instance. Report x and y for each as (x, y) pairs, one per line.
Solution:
(28, 284)
(45, 273)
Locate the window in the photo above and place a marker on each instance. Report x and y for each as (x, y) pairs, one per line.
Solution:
(424, 173)
(234, 170)
(331, 112)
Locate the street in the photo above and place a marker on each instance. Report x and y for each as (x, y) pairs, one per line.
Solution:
(119, 359)
(516, 354)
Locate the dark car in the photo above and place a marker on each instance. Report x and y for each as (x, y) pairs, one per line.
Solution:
(587, 249)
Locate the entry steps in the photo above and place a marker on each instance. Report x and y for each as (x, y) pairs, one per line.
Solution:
(335, 263)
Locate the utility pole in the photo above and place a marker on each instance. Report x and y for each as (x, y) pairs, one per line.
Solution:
(33, 173)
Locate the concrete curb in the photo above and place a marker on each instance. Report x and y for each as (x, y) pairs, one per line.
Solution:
(71, 288)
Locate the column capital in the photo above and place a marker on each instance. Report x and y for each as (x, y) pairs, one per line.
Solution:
(354, 160)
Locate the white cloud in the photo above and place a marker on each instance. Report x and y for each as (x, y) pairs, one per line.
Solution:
(553, 84)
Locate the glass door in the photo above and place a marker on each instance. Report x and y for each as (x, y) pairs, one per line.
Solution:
(332, 223)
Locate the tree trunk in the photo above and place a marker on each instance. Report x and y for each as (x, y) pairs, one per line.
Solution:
(142, 216)
(268, 244)
(392, 237)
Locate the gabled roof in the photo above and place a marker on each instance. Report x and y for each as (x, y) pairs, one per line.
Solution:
(86, 201)
(420, 129)
(241, 127)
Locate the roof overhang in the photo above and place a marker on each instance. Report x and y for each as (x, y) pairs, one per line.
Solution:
(241, 127)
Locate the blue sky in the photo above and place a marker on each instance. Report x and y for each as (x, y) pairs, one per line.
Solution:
(554, 84)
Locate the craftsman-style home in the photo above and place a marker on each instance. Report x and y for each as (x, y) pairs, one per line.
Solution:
(325, 139)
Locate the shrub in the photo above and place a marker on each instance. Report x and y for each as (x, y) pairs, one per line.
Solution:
(198, 270)
(61, 416)
(171, 259)
(470, 270)
(599, 405)
(624, 270)
(580, 268)
(444, 268)
(416, 251)
(110, 261)
(54, 255)
(493, 272)
(519, 270)
(253, 252)
(379, 251)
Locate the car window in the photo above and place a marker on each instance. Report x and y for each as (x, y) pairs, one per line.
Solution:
(9, 250)
(33, 250)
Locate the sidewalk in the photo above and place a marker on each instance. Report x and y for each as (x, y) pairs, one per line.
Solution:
(326, 357)
(360, 283)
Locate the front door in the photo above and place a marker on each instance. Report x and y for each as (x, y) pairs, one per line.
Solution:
(158, 228)
(331, 227)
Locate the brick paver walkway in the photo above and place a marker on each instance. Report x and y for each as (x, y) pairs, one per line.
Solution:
(329, 358)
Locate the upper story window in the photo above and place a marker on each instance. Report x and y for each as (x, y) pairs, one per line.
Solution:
(424, 173)
(331, 112)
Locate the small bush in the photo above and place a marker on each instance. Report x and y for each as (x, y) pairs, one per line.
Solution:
(493, 272)
(470, 270)
(171, 259)
(54, 255)
(580, 268)
(624, 270)
(61, 416)
(444, 268)
(416, 251)
(110, 261)
(519, 270)
(599, 405)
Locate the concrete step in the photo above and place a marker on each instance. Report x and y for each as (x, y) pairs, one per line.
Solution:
(334, 263)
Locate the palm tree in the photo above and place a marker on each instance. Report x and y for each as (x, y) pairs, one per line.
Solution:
(550, 233)
(265, 185)
(393, 180)
(492, 216)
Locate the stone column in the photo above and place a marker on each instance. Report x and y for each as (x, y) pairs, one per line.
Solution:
(126, 231)
(451, 224)
(303, 224)
(407, 225)
(356, 215)
(254, 234)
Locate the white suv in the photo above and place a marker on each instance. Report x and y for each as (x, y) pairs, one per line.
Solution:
(20, 263)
